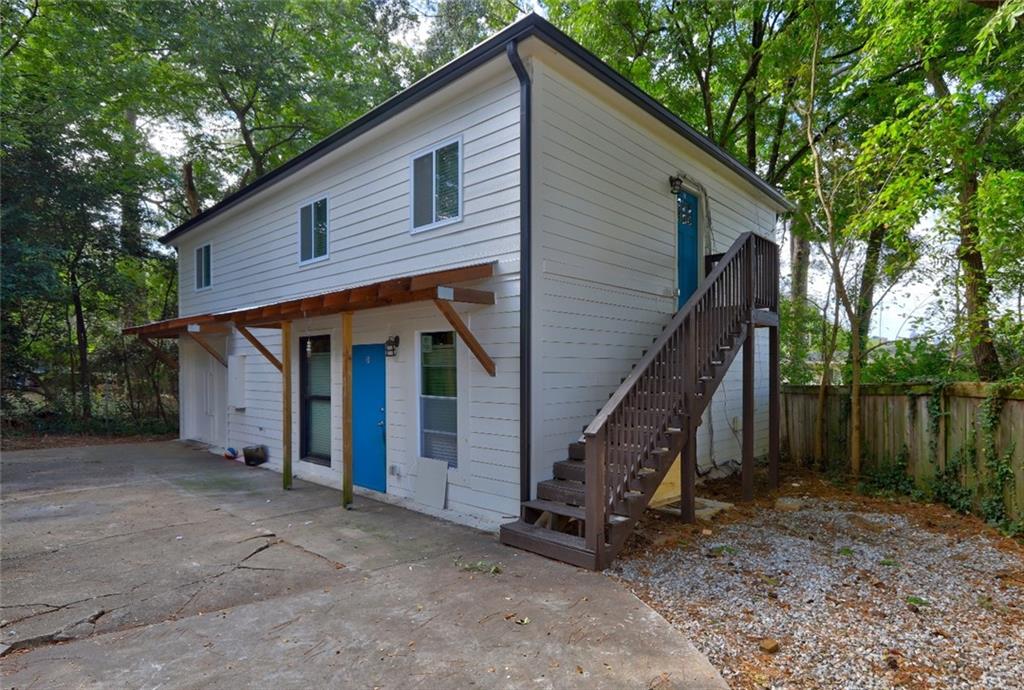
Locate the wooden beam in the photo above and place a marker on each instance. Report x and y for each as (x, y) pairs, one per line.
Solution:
(205, 344)
(747, 467)
(765, 319)
(688, 469)
(286, 404)
(456, 294)
(158, 351)
(467, 335)
(346, 409)
(259, 346)
(773, 407)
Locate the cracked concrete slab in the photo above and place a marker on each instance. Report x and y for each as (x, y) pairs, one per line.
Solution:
(162, 565)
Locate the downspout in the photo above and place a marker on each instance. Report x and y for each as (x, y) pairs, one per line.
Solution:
(525, 270)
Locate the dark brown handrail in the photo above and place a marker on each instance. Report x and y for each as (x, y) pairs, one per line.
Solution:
(665, 382)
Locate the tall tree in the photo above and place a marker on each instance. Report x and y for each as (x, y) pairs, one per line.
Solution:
(972, 95)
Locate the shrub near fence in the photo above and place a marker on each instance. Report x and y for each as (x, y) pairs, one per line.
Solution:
(960, 443)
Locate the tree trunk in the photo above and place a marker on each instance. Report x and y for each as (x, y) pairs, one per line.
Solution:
(131, 201)
(820, 417)
(828, 342)
(71, 361)
(125, 365)
(977, 288)
(868, 280)
(84, 383)
(191, 195)
(855, 427)
(800, 261)
(751, 102)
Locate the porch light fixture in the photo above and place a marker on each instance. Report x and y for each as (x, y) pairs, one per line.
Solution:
(676, 184)
(391, 346)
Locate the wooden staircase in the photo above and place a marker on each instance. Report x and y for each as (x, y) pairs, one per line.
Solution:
(613, 471)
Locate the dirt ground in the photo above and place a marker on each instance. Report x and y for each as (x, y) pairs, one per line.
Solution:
(9, 441)
(855, 591)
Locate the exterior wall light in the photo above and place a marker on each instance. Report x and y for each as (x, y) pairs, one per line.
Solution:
(391, 346)
(676, 184)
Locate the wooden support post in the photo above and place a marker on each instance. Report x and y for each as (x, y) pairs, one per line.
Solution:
(594, 470)
(747, 470)
(773, 407)
(467, 335)
(259, 346)
(158, 351)
(688, 468)
(286, 404)
(205, 344)
(346, 411)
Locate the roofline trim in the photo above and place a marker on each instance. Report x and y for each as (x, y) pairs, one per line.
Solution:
(531, 25)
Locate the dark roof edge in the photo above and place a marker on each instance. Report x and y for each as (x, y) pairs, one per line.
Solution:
(530, 25)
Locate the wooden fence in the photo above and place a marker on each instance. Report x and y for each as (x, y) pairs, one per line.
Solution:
(968, 433)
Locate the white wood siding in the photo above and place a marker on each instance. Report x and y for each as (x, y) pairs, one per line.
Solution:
(605, 231)
(484, 490)
(255, 246)
(255, 260)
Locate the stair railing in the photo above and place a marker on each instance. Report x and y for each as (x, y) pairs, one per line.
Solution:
(665, 383)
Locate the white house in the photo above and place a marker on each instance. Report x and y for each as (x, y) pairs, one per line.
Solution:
(501, 241)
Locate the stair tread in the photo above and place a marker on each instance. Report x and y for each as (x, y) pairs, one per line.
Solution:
(546, 542)
(578, 512)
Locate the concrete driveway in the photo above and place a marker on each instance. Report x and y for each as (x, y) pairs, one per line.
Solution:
(157, 565)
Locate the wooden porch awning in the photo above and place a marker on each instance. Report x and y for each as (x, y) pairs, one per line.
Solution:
(439, 285)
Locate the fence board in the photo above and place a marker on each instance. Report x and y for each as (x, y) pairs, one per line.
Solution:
(898, 423)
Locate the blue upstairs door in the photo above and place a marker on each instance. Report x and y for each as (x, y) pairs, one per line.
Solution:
(686, 224)
(369, 427)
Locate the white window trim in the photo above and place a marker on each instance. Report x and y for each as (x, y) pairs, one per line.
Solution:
(460, 454)
(298, 215)
(413, 229)
(197, 267)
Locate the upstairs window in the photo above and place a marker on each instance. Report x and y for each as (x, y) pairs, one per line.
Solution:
(203, 267)
(438, 397)
(313, 231)
(437, 186)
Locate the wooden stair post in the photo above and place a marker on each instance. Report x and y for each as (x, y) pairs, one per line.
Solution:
(747, 469)
(595, 495)
(773, 407)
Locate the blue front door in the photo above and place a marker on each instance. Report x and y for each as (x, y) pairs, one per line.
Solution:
(368, 421)
(686, 222)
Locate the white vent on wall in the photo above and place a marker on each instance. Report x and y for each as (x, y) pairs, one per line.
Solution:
(236, 382)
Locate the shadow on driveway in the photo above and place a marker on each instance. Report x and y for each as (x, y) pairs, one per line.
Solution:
(159, 565)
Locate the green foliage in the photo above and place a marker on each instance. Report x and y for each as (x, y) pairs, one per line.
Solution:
(459, 25)
(889, 479)
(915, 361)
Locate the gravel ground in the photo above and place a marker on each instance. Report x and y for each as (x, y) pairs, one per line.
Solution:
(855, 596)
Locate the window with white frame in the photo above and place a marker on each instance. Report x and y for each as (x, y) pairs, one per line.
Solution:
(313, 230)
(203, 267)
(438, 397)
(437, 186)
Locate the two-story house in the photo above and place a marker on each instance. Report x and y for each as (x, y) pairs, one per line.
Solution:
(432, 304)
